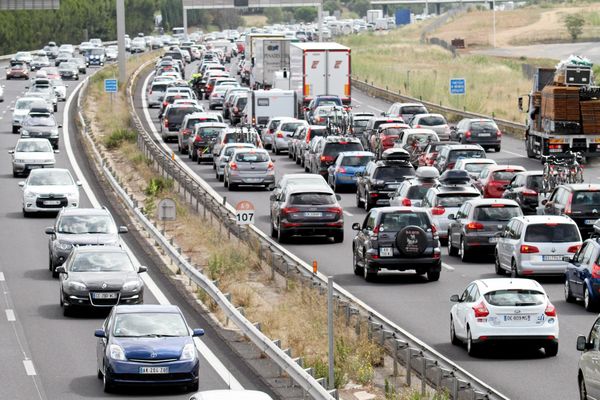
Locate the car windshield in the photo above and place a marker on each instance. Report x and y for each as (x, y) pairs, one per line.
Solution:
(24, 104)
(250, 156)
(413, 110)
(497, 212)
(67, 65)
(176, 114)
(432, 120)
(317, 133)
(361, 123)
(356, 161)
(290, 126)
(40, 120)
(97, 52)
(586, 199)
(453, 199)
(420, 139)
(552, 232)
(230, 150)
(50, 178)
(78, 224)
(475, 167)
(312, 199)
(102, 262)
(333, 149)
(393, 173)
(146, 324)
(504, 175)
(241, 102)
(33, 146)
(456, 154)
(159, 87)
(395, 221)
(483, 126)
(330, 102)
(534, 182)
(514, 297)
(209, 132)
(57, 82)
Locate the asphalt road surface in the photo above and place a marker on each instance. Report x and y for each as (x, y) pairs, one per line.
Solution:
(409, 300)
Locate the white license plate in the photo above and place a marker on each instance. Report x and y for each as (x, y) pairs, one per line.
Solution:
(34, 166)
(590, 221)
(393, 186)
(517, 318)
(154, 370)
(313, 214)
(51, 202)
(386, 252)
(555, 150)
(493, 240)
(253, 180)
(552, 258)
(485, 134)
(104, 295)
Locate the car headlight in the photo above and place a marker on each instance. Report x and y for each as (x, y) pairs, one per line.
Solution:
(116, 352)
(54, 133)
(30, 194)
(132, 286)
(24, 133)
(64, 246)
(189, 352)
(77, 285)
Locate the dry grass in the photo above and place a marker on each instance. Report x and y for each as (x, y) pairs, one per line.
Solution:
(255, 20)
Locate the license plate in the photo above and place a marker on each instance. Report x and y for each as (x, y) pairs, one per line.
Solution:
(253, 180)
(51, 202)
(590, 221)
(393, 186)
(552, 258)
(154, 370)
(386, 252)
(104, 295)
(555, 150)
(34, 166)
(493, 240)
(516, 318)
(313, 214)
(485, 134)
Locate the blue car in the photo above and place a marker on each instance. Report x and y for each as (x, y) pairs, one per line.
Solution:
(582, 276)
(342, 173)
(147, 345)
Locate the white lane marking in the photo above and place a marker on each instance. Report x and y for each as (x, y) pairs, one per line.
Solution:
(29, 368)
(355, 100)
(514, 154)
(348, 214)
(214, 362)
(448, 266)
(2, 279)
(10, 315)
(374, 108)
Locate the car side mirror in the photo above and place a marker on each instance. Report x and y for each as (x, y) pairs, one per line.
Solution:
(99, 333)
(582, 343)
(142, 268)
(78, 183)
(273, 197)
(544, 202)
(21, 184)
(338, 197)
(198, 332)
(356, 226)
(59, 125)
(123, 229)
(11, 152)
(454, 298)
(61, 270)
(383, 113)
(50, 230)
(452, 217)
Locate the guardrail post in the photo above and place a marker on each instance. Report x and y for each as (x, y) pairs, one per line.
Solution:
(399, 345)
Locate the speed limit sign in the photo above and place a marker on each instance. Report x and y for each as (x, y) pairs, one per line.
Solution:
(244, 213)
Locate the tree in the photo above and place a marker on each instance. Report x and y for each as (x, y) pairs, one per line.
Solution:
(331, 6)
(305, 14)
(360, 7)
(274, 15)
(574, 24)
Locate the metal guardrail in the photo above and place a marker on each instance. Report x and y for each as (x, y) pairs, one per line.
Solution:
(433, 369)
(509, 127)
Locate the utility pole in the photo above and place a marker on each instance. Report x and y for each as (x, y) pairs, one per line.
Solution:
(320, 16)
(494, 24)
(330, 333)
(185, 25)
(121, 41)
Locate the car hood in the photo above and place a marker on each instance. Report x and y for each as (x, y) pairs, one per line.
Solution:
(159, 348)
(21, 112)
(103, 280)
(39, 128)
(55, 189)
(89, 238)
(30, 155)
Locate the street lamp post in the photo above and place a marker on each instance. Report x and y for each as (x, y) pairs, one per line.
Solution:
(121, 41)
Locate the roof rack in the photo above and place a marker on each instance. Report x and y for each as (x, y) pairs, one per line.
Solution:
(395, 155)
(455, 177)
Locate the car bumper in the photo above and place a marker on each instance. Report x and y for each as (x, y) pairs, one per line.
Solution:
(169, 134)
(215, 102)
(312, 229)
(26, 168)
(128, 373)
(542, 268)
(60, 256)
(345, 180)
(83, 300)
(281, 143)
(483, 141)
(36, 205)
(482, 242)
(252, 180)
(405, 264)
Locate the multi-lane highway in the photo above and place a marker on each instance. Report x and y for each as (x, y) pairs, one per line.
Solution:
(45, 355)
(409, 300)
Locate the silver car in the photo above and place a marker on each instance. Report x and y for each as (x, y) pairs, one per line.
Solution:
(225, 155)
(249, 167)
(31, 154)
(285, 129)
(537, 245)
(435, 122)
(269, 131)
(21, 109)
(589, 385)
(217, 97)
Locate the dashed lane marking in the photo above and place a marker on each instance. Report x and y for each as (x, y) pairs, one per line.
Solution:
(2, 279)
(29, 368)
(448, 267)
(10, 315)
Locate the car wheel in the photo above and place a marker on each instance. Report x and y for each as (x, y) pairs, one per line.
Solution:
(588, 302)
(281, 236)
(194, 387)
(359, 202)
(453, 339)
(551, 349)
(99, 374)
(433, 276)
(582, 389)
(225, 182)
(297, 159)
(338, 237)
(514, 272)
(463, 251)
(274, 232)
(214, 165)
(107, 383)
(367, 203)
(452, 251)
(497, 267)
(358, 270)
(370, 276)
(179, 148)
(497, 149)
(220, 177)
(335, 186)
(568, 294)
(232, 186)
(15, 129)
(50, 263)
(472, 348)
(25, 214)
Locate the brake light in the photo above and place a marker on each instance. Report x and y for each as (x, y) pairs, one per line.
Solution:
(165, 103)
(233, 166)
(481, 310)
(342, 170)
(197, 139)
(336, 210)
(468, 134)
(568, 205)
(326, 158)
(450, 166)
(271, 166)
(418, 126)
(438, 210)
(186, 132)
(574, 249)
(596, 271)
(474, 226)
(235, 110)
(550, 310)
(527, 249)
(280, 134)
(528, 192)
(406, 202)
(376, 229)
(289, 210)
(166, 121)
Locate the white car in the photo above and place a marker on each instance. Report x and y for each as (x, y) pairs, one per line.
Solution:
(230, 395)
(60, 89)
(112, 53)
(473, 166)
(31, 154)
(21, 109)
(435, 122)
(504, 309)
(49, 189)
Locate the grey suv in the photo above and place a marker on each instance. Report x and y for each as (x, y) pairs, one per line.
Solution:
(80, 227)
(396, 238)
(587, 374)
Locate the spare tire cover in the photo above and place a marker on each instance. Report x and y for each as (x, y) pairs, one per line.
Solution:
(411, 241)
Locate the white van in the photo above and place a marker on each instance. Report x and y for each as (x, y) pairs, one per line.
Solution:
(266, 104)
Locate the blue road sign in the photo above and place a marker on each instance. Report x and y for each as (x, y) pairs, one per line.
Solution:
(458, 86)
(110, 85)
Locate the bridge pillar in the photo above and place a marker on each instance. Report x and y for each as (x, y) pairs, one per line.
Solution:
(438, 8)
(491, 4)
(385, 10)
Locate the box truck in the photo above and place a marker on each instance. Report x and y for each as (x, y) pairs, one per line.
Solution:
(270, 56)
(265, 104)
(374, 15)
(320, 69)
(251, 39)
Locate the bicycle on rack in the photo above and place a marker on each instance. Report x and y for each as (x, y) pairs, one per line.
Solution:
(337, 122)
(561, 170)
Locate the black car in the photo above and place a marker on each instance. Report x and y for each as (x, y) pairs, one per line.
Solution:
(382, 177)
(484, 132)
(96, 56)
(40, 123)
(579, 201)
(80, 227)
(524, 188)
(327, 151)
(396, 238)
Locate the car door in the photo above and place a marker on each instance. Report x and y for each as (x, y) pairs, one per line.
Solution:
(549, 208)
(579, 268)
(590, 362)
(276, 205)
(502, 245)
(460, 324)
(364, 235)
(103, 342)
(513, 187)
(454, 227)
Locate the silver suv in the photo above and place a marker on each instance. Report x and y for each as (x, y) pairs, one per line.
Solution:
(587, 375)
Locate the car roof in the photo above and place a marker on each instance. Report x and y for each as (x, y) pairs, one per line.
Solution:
(464, 147)
(356, 153)
(408, 104)
(497, 167)
(146, 308)
(488, 201)
(492, 284)
(419, 130)
(400, 208)
(528, 173)
(85, 211)
(99, 249)
(582, 186)
(476, 161)
(310, 189)
(429, 115)
(541, 219)
(400, 125)
(342, 139)
(462, 188)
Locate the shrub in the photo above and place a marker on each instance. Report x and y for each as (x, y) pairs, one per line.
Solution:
(118, 137)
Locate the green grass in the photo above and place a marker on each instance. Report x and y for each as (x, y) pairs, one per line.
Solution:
(118, 137)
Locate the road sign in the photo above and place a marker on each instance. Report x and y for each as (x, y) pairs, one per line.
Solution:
(458, 86)
(244, 213)
(111, 85)
(167, 210)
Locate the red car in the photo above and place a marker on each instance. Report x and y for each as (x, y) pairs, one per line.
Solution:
(430, 153)
(493, 180)
(386, 136)
(17, 70)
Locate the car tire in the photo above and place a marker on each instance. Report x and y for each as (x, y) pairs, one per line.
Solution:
(107, 384)
(367, 203)
(569, 298)
(464, 251)
(551, 349)
(214, 165)
(99, 374)
(582, 389)
(497, 267)
(452, 251)
(194, 387)
(358, 270)
(25, 214)
(193, 155)
(220, 177)
(274, 232)
(453, 338)
(232, 187)
(472, 348)
(297, 159)
(55, 107)
(225, 182)
(497, 149)
(514, 272)
(335, 187)
(359, 202)
(282, 237)
(66, 311)
(15, 129)
(433, 276)
(370, 276)
(338, 237)
(588, 303)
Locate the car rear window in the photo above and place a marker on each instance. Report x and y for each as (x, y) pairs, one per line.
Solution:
(176, 114)
(333, 149)
(413, 110)
(241, 102)
(417, 192)
(420, 139)
(193, 121)
(586, 198)
(475, 167)
(209, 132)
(514, 297)
(497, 212)
(290, 126)
(393, 173)
(504, 175)
(314, 199)
(478, 126)
(549, 232)
(456, 154)
(395, 221)
(534, 182)
(454, 199)
(252, 157)
(391, 132)
(432, 121)
(361, 123)
(356, 161)
(317, 133)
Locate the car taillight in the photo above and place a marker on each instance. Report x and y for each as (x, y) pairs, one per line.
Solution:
(270, 166)
(481, 310)
(186, 132)
(438, 210)
(342, 170)
(336, 210)
(527, 249)
(197, 139)
(474, 226)
(406, 202)
(233, 166)
(166, 121)
(550, 310)
(326, 158)
(289, 210)
(498, 133)
(468, 134)
(418, 126)
(529, 192)
(280, 134)
(595, 271)
(450, 166)
(376, 229)
(165, 103)
(235, 110)
(574, 249)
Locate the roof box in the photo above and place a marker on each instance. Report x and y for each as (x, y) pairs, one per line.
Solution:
(427, 173)
(395, 154)
(455, 177)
